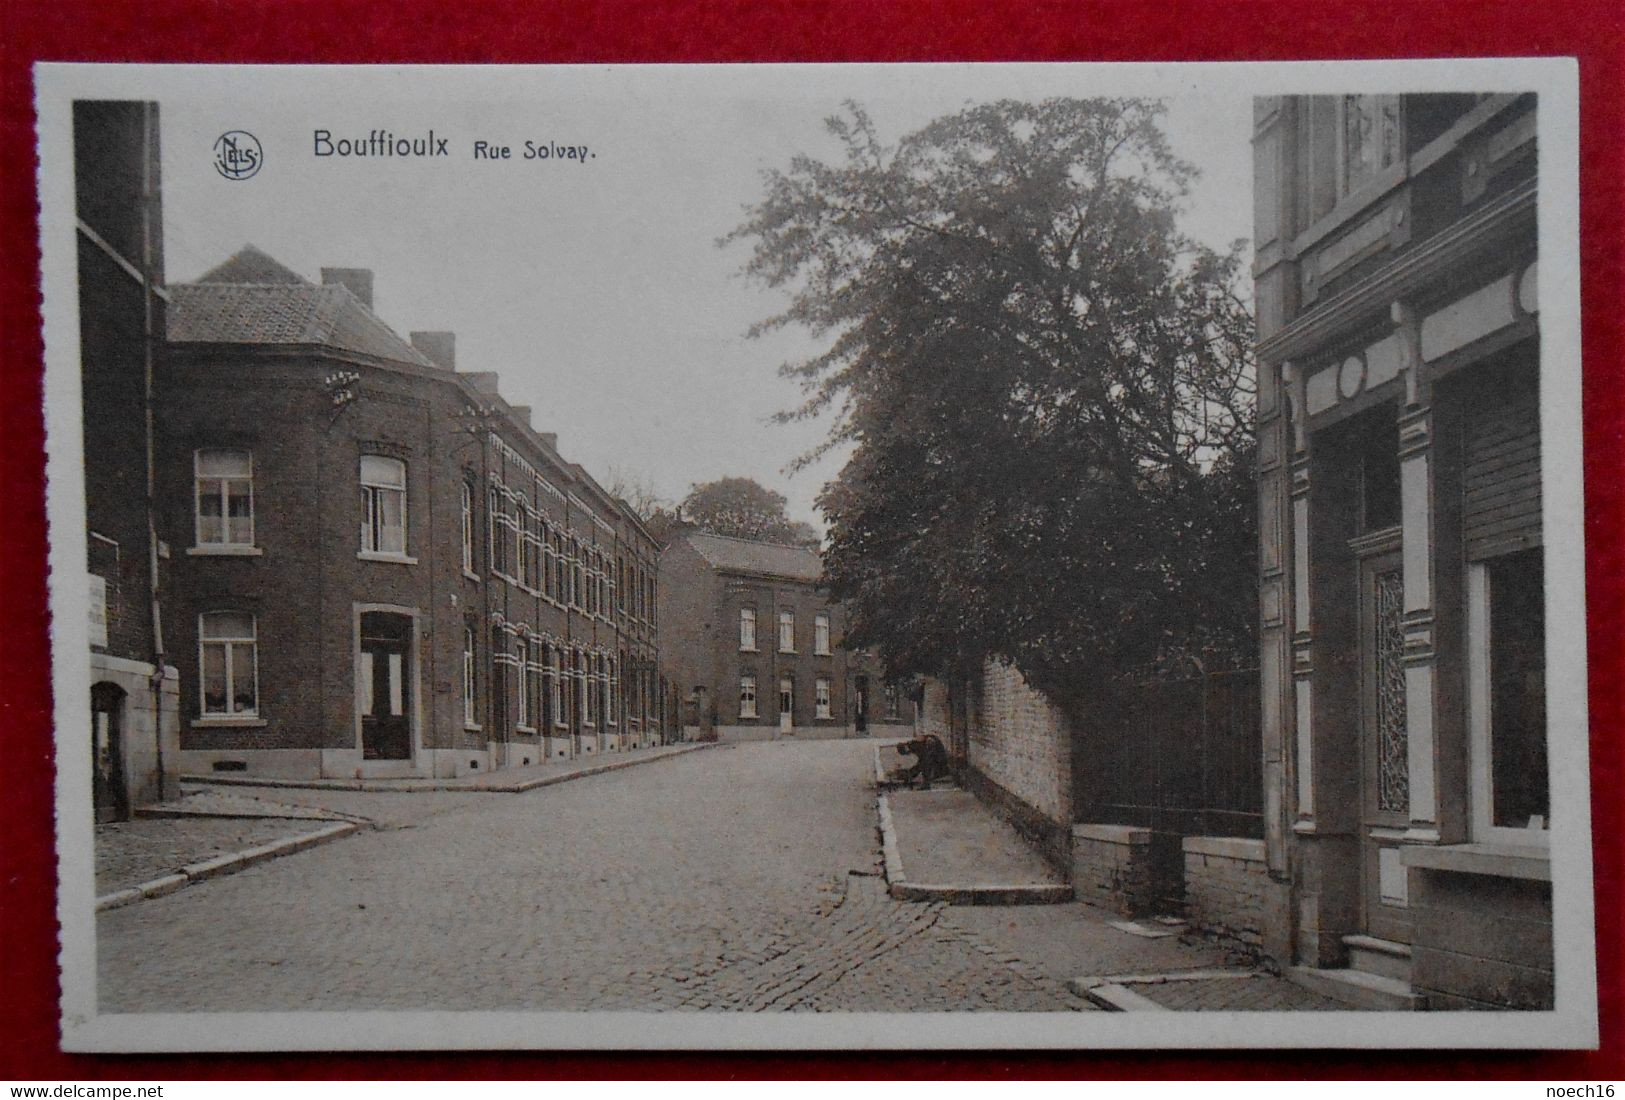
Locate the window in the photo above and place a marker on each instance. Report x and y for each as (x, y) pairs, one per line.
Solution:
(521, 545)
(225, 498)
(1370, 138)
(383, 505)
(747, 629)
(578, 583)
(787, 696)
(549, 562)
(747, 697)
(1507, 698)
(522, 654)
(468, 528)
(821, 633)
(612, 688)
(581, 687)
(1345, 142)
(821, 696)
(890, 695)
(470, 711)
(787, 632)
(228, 662)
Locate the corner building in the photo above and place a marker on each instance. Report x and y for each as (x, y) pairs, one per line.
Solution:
(379, 567)
(1402, 581)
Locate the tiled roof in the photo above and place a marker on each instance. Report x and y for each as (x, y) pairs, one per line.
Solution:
(770, 558)
(222, 308)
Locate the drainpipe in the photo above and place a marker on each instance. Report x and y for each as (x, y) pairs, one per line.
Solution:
(149, 137)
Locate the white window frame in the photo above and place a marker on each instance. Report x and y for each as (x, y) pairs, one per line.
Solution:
(1480, 700)
(555, 667)
(371, 494)
(787, 631)
(747, 630)
(471, 716)
(468, 528)
(228, 644)
(821, 634)
(747, 696)
(581, 688)
(521, 647)
(218, 485)
(822, 691)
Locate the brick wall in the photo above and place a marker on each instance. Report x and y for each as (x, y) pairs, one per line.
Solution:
(1227, 887)
(1021, 742)
(1111, 867)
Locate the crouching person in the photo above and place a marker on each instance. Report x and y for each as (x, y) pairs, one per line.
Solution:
(930, 761)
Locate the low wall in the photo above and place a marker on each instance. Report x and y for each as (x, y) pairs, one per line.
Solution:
(1111, 867)
(1052, 838)
(1227, 888)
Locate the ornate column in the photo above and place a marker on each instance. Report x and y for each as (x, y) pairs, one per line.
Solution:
(1302, 662)
(1416, 555)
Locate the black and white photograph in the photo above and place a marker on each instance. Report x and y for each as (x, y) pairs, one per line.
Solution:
(817, 556)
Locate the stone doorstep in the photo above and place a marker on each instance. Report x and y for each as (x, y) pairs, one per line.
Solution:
(1113, 992)
(417, 786)
(226, 864)
(1358, 989)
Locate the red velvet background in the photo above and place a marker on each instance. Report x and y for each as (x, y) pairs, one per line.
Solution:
(781, 30)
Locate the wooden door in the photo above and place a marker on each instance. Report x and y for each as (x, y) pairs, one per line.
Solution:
(108, 794)
(1384, 748)
(386, 686)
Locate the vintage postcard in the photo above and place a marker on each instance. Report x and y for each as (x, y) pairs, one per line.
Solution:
(830, 556)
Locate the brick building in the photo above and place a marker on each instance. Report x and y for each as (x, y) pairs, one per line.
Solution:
(380, 567)
(134, 734)
(1402, 583)
(753, 650)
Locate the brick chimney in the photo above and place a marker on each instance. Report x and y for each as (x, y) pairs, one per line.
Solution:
(521, 413)
(550, 438)
(357, 279)
(439, 348)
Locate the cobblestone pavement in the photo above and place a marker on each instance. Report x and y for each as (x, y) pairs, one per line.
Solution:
(741, 878)
(132, 852)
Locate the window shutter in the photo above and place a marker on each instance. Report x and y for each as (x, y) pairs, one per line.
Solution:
(1501, 476)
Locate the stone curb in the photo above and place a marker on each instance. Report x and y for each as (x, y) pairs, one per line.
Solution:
(396, 786)
(1117, 998)
(1113, 993)
(982, 893)
(227, 864)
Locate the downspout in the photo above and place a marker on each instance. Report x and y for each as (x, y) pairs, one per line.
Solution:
(149, 138)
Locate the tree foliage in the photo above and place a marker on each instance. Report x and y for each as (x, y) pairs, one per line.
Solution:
(745, 509)
(1046, 386)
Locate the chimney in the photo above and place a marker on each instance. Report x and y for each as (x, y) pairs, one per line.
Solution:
(357, 279)
(439, 348)
(550, 438)
(521, 413)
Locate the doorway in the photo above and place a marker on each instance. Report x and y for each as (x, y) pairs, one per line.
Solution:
(108, 793)
(1384, 749)
(385, 686)
(787, 704)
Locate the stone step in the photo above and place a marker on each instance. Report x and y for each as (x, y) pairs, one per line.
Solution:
(1358, 989)
(1378, 956)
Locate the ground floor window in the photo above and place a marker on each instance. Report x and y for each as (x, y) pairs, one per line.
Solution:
(747, 697)
(787, 696)
(228, 656)
(1507, 669)
(821, 697)
(470, 712)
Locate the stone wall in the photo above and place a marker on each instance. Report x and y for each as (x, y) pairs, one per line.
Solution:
(1111, 867)
(1020, 741)
(1227, 888)
(1482, 941)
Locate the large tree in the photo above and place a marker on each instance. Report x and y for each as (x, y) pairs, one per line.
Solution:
(746, 509)
(1045, 384)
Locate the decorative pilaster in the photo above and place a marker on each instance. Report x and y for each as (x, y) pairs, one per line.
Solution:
(1302, 656)
(1416, 556)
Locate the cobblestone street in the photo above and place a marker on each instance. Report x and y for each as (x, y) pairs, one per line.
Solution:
(740, 878)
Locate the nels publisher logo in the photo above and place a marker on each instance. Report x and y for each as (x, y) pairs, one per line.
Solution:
(237, 154)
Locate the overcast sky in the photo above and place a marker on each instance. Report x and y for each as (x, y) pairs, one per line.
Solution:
(595, 289)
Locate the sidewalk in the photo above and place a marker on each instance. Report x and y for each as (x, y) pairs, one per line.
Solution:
(504, 781)
(945, 845)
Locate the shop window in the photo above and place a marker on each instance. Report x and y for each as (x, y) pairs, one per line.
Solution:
(1507, 692)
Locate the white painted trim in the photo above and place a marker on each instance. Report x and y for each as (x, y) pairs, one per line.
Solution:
(224, 550)
(395, 559)
(1479, 721)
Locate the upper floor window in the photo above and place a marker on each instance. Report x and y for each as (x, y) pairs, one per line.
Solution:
(1370, 138)
(821, 633)
(747, 628)
(787, 632)
(225, 498)
(1344, 143)
(228, 662)
(383, 505)
(468, 528)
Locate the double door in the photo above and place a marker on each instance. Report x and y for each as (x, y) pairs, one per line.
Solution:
(385, 686)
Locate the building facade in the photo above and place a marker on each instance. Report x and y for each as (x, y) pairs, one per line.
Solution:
(119, 230)
(1402, 585)
(754, 649)
(380, 567)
